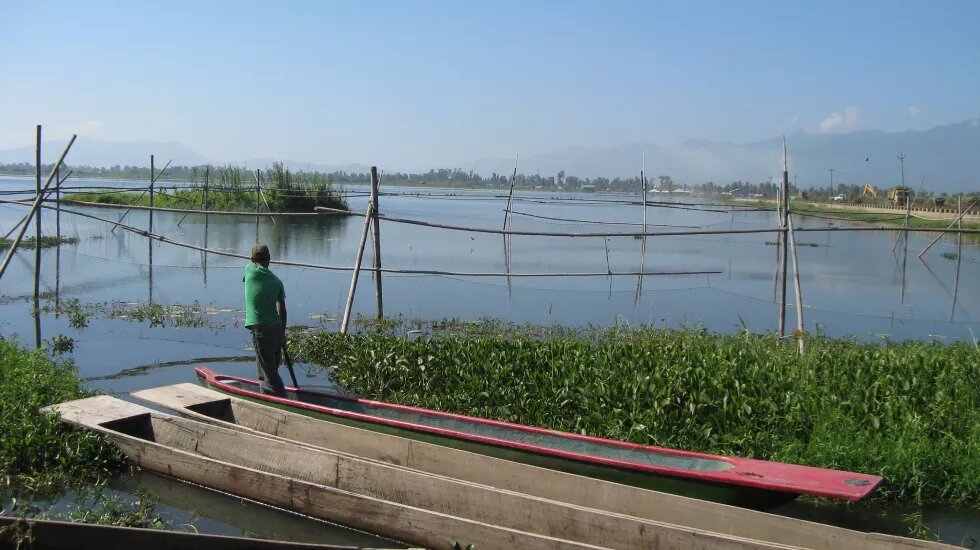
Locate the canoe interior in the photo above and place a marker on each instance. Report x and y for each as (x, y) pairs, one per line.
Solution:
(538, 439)
(748, 497)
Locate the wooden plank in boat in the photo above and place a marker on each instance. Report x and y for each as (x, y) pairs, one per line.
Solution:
(489, 517)
(209, 405)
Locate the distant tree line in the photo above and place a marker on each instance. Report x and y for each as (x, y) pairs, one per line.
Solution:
(448, 177)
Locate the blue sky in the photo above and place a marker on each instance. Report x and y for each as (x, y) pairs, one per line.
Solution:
(422, 84)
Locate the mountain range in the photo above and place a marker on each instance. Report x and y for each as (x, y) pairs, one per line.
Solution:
(944, 158)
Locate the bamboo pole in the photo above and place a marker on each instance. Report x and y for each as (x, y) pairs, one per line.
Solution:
(783, 243)
(152, 181)
(905, 222)
(37, 245)
(145, 190)
(37, 220)
(775, 269)
(35, 207)
(959, 259)
(57, 202)
(357, 269)
(205, 198)
(258, 192)
(950, 226)
(796, 280)
(18, 224)
(377, 241)
(643, 185)
(510, 196)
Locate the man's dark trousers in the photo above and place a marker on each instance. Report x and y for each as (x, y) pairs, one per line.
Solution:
(267, 339)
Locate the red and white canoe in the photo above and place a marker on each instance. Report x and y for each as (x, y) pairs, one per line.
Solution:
(732, 480)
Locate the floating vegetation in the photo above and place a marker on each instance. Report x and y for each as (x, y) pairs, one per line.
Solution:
(951, 255)
(157, 315)
(40, 453)
(136, 511)
(900, 410)
(78, 314)
(31, 242)
(61, 344)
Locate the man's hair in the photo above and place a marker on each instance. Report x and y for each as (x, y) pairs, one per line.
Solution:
(260, 252)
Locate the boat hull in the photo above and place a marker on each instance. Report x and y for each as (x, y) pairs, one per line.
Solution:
(736, 486)
(401, 503)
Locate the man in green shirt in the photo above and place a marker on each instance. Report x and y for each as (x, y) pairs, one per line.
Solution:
(265, 316)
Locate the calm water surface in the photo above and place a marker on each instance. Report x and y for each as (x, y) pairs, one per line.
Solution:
(853, 284)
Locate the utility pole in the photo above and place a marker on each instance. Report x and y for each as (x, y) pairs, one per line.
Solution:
(831, 195)
(901, 159)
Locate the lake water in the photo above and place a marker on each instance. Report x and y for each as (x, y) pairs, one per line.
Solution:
(853, 284)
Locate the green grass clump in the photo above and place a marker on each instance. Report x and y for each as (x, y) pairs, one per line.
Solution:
(234, 190)
(908, 411)
(37, 451)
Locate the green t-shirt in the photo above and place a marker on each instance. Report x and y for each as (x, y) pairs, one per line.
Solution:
(262, 290)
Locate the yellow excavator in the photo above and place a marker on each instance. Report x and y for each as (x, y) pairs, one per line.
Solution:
(898, 196)
(870, 190)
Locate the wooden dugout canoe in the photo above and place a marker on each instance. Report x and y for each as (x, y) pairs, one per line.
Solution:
(211, 406)
(395, 502)
(40, 534)
(731, 480)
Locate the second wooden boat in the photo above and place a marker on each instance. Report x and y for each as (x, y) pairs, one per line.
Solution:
(732, 480)
(400, 503)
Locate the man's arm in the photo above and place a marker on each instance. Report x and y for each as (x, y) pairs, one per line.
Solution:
(281, 306)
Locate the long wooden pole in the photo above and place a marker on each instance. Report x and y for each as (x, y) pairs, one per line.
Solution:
(57, 250)
(37, 220)
(377, 241)
(37, 245)
(959, 259)
(152, 181)
(783, 243)
(34, 209)
(357, 270)
(207, 174)
(510, 196)
(57, 199)
(905, 223)
(258, 192)
(643, 184)
(152, 169)
(796, 280)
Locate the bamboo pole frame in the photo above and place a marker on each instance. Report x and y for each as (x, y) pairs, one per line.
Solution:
(35, 207)
(357, 269)
(219, 252)
(949, 229)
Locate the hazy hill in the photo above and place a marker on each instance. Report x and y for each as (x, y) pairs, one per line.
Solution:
(90, 152)
(945, 158)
